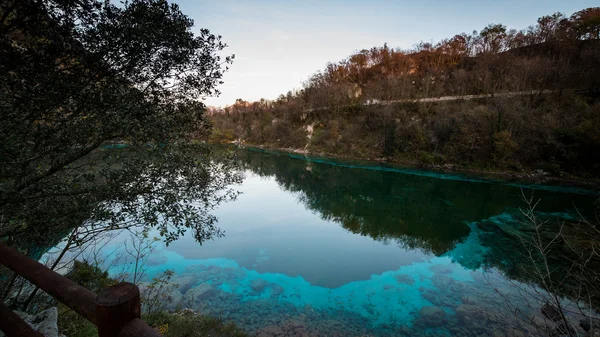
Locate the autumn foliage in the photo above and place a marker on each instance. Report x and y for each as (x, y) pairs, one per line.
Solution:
(378, 103)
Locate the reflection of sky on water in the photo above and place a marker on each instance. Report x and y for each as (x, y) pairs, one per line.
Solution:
(269, 231)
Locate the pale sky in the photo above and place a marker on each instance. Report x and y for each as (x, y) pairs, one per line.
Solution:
(279, 44)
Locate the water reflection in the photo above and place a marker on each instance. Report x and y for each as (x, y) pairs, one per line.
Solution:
(323, 249)
(416, 211)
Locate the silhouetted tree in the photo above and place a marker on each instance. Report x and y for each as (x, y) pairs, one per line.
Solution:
(76, 75)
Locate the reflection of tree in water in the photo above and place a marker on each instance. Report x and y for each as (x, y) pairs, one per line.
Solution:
(432, 215)
(414, 211)
(567, 244)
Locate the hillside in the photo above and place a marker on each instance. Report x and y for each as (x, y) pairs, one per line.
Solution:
(538, 105)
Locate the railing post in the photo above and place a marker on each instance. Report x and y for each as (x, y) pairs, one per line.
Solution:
(116, 306)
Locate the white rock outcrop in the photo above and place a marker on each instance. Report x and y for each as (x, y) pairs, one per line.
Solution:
(44, 322)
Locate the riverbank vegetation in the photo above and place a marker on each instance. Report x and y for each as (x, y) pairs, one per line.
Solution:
(512, 100)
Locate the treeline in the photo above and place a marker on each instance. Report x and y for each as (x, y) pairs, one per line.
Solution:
(367, 105)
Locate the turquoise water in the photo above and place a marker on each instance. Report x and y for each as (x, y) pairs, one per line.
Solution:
(337, 249)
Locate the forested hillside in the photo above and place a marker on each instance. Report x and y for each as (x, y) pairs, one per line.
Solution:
(537, 106)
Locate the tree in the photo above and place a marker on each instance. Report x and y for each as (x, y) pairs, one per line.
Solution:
(493, 37)
(77, 75)
(586, 23)
(548, 26)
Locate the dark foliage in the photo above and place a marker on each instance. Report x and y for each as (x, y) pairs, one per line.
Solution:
(77, 75)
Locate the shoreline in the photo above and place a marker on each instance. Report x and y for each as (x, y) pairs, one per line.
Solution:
(497, 176)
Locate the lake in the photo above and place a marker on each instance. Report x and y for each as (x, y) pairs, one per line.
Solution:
(338, 248)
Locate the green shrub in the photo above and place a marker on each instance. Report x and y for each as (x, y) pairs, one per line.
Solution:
(71, 324)
(318, 137)
(93, 278)
(427, 159)
(89, 276)
(504, 146)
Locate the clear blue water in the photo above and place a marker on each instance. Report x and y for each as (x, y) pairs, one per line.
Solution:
(336, 249)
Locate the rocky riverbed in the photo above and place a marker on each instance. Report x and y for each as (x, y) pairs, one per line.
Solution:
(265, 308)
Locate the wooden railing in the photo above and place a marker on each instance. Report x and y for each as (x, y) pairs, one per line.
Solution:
(116, 311)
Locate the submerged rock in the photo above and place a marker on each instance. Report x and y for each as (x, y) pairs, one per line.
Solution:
(157, 258)
(439, 298)
(201, 292)
(432, 316)
(171, 297)
(406, 279)
(276, 290)
(294, 327)
(259, 285)
(441, 268)
(551, 312)
(270, 331)
(467, 313)
(442, 281)
(458, 288)
(175, 299)
(185, 281)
